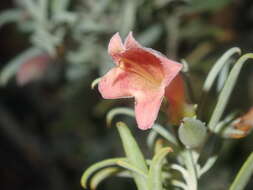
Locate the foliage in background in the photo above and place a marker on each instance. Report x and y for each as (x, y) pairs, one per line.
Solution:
(74, 36)
(74, 33)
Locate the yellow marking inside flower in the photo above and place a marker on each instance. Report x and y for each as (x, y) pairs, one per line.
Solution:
(140, 71)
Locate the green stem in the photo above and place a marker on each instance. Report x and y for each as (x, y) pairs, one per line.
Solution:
(190, 164)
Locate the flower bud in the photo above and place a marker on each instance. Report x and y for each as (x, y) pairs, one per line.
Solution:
(240, 127)
(192, 132)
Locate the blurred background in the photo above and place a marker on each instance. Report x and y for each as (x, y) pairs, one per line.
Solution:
(52, 124)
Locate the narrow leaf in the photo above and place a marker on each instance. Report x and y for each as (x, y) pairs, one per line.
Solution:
(209, 163)
(12, 15)
(244, 175)
(116, 111)
(213, 74)
(159, 144)
(43, 7)
(165, 134)
(151, 138)
(183, 171)
(98, 166)
(103, 174)
(216, 69)
(227, 90)
(131, 167)
(95, 83)
(179, 184)
(223, 75)
(154, 177)
(33, 8)
(133, 154)
(128, 16)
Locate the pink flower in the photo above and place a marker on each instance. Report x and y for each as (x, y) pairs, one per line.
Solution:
(140, 72)
(33, 69)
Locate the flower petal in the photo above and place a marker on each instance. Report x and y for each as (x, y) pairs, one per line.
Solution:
(118, 83)
(130, 42)
(143, 63)
(175, 95)
(178, 106)
(147, 107)
(115, 45)
(170, 68)
(115, 84)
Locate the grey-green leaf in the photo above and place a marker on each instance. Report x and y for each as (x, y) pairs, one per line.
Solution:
(216, 69)
(133, 154)
(12, 15)
(154, 177)
(116, 111)
(227, 90)
(103, 174)
(243, 175)
(97, 166)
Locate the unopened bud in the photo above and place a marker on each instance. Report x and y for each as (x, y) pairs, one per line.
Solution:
(192, 132)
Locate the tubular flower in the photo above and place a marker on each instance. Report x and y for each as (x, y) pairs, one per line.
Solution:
(140, 72)
(178, 108)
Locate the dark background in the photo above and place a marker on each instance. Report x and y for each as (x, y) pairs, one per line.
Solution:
(52, 129)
